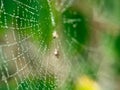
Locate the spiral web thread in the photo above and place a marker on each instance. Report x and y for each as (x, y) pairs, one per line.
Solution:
(21, 62)
(18, 64)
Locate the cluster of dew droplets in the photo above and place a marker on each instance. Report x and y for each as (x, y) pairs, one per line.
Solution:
(19, 58)
(56, 51)
(15, 50)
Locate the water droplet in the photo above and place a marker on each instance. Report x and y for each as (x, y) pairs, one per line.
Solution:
(55, 35)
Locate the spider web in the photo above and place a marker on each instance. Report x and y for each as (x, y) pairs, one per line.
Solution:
(21, 62)
(26, 64)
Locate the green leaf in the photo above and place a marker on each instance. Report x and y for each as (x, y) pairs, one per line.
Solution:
(46, 83)
(75, 29)
(28, 18)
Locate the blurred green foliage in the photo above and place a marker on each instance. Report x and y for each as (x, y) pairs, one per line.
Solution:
(76, 29)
